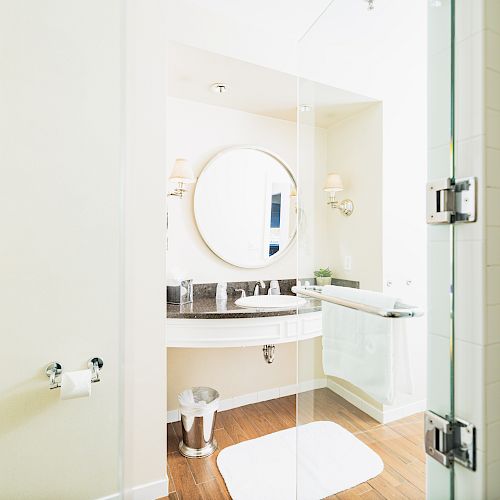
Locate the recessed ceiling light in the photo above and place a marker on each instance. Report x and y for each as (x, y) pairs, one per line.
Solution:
(219, 88)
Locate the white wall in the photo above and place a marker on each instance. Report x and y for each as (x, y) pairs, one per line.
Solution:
(144, 447)
(64, 259)
(197, 132)
(60, 249)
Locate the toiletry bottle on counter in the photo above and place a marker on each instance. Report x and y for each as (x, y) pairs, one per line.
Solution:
(221, 293)
(179, 291)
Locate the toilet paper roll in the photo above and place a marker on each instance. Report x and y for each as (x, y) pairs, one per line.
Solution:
(76, 384)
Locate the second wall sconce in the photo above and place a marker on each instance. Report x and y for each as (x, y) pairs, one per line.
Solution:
(182, 175)
(333, 185)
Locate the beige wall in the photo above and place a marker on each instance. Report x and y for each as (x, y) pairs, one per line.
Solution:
(355, 151)
(240, 371)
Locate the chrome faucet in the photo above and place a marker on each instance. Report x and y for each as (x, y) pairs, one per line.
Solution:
(258, 287)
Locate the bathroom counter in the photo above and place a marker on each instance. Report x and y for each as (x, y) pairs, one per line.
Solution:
(204, 323)
(208, 308)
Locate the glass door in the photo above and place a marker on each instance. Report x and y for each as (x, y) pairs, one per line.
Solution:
(375, 124)
(441, 238)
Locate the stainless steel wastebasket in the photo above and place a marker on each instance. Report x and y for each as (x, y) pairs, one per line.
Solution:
(198, 407)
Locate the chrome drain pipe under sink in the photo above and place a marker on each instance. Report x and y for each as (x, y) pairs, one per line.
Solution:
(268, 352)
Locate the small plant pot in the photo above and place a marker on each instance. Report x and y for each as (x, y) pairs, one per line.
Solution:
(323, 280)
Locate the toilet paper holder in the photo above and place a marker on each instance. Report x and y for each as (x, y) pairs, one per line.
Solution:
(95, 365)
(54, 371)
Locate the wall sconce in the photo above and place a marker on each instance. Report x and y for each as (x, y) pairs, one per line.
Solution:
(182, 175)
(333, 185)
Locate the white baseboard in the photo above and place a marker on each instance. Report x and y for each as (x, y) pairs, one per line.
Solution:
(257, 397)
(149, 491)
(388, 413)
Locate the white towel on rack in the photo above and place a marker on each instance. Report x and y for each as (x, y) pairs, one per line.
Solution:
(367, 350)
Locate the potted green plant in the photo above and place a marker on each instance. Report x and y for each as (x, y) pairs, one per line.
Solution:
(323, 276)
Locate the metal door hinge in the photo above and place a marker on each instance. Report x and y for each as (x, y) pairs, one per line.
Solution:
(450, 442)
(451, 200)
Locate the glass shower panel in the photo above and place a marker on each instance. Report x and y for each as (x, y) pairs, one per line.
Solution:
(363, 96)
(440, 238)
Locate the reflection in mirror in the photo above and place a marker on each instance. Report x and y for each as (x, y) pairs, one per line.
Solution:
(245, 206)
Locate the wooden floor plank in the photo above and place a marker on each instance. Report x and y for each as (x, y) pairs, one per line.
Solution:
(285, 407)
(241, 417)
(185, 487)
(223, 441)
(355, 492)
(232, 427)
(276, 424)
(285, 418)
(213, 491)
(413, 431)
(171, 482)
(172, 439)
(177, 427)
(201, 470)
(399, 444)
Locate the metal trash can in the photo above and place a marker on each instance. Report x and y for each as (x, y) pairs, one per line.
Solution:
(198, 408)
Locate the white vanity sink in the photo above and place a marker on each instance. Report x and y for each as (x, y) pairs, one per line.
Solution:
(270, 302)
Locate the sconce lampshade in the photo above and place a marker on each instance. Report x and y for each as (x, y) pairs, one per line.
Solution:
(334, 183)
(182, 172)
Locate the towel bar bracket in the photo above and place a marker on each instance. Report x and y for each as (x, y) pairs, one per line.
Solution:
(450, 441)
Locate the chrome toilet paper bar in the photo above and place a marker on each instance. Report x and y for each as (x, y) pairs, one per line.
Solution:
(54, 372)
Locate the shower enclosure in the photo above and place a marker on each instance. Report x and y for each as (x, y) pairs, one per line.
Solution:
(369, 127)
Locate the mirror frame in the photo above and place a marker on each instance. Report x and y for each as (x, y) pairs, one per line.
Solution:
(207, 167)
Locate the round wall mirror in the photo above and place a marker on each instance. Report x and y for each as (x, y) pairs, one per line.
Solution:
(245, 206)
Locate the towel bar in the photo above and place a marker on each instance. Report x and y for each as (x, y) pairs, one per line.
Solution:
(401, 311)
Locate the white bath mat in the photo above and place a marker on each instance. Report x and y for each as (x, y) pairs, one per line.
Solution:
(330, 460)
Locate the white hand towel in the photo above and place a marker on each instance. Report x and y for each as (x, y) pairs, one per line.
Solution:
(357, 346)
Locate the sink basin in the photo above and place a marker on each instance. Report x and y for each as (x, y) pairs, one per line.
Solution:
(271, 302)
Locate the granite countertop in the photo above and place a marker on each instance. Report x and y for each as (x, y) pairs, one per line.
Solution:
(204, 305)
(209, 308)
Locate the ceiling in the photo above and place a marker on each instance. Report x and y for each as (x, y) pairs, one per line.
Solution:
(341, 42)
(255, 89)
(285, 18)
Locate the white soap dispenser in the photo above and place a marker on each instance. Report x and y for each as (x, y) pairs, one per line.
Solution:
(274, 288)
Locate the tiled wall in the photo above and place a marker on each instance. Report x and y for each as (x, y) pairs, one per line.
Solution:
(478, 245)
(492, 250)
(470, 240)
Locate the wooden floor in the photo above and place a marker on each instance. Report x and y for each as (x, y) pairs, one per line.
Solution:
(399, 444)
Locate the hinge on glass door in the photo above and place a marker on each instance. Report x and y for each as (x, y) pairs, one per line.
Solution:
(450, 441)
(451, 200)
